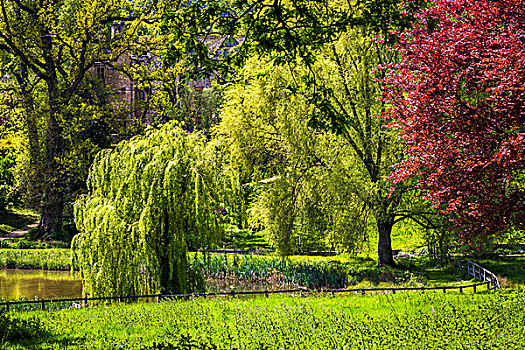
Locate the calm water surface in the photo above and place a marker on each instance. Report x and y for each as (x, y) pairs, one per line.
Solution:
(31, 284)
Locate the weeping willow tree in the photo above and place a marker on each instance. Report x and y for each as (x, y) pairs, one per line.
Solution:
(148, 199)
(301, 180)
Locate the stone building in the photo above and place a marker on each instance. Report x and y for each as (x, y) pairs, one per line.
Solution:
(129, 100)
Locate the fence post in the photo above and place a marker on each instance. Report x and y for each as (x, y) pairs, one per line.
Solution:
(363, 291)
(43, 304)
(444, 290)
(474, 288)
(393, 291)
(266, 293)
(7, 307)
(461, 289)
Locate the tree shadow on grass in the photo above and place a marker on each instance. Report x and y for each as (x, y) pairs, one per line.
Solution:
(14, 219)
(511, 269)
(28, 333)
(432, 271)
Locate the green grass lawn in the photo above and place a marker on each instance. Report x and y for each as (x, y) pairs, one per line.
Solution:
(52, 259)
(400, 321)
(510, 270)
(15, 218)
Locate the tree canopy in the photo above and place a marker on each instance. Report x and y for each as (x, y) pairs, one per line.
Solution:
(149, 199)
(458, 99)
(47, 49)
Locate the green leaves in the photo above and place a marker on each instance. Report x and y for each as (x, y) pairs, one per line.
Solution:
(149, 199)
(401, 321)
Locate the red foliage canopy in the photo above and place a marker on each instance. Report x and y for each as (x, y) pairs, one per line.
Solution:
(458, 99)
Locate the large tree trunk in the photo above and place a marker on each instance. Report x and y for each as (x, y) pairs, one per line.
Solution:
(52, 211)
(54, 176)
(32, 177)
(384, 248)
(54, 187)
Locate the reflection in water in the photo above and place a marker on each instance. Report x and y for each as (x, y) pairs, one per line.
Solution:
(40, 284)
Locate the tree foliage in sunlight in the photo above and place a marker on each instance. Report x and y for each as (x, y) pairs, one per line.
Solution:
(148, 200)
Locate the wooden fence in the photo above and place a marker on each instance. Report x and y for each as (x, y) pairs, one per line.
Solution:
(479, 272)
(160, 297)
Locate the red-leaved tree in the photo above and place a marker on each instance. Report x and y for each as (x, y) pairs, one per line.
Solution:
(458, 99)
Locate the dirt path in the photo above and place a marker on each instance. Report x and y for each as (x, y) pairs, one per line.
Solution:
(21, 231)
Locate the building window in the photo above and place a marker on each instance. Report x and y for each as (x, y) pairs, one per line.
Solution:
(99, 71)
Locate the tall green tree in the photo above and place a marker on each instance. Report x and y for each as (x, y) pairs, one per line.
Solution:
(322, 180)
(347, 100)
(297, 185)
(288, 31)
(48, 48)
(149, 199)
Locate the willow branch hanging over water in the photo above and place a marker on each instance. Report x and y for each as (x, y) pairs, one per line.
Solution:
(148, 199)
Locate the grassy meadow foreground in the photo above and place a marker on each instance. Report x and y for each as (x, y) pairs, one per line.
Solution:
(382, 321)
(408, 320)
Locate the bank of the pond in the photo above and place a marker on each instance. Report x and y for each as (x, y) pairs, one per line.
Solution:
(401, 321)
(311, 272)
(47, 259)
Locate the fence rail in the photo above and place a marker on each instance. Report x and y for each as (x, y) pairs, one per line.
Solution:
(161, 297)
(479, 272)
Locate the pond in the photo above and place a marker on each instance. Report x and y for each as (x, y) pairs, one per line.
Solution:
(40, 284)
(43, 284)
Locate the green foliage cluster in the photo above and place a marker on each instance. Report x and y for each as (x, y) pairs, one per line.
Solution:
(149, 199)
(321, 274)
(21, 243)
(293, 185)
(49, 259)
(7, 180)
(400, 321)
(8, 169)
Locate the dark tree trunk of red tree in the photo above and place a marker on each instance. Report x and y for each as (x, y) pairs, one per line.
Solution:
(384, 247)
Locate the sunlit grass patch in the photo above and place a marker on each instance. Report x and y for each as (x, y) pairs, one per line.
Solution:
(401, 321)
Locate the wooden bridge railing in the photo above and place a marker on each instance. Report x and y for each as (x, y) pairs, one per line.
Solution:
(479, 272)
(159, 297)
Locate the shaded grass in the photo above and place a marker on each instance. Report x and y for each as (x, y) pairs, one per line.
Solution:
(406, 236)
(401, 321)
(510, 270)
(15, 218)
(433, 272)
(245, 239)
